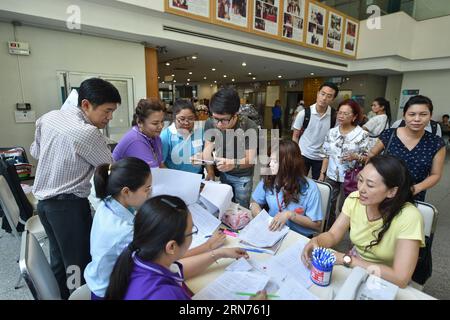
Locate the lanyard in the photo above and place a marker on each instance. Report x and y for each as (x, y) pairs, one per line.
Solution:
(280, 206)
(178, 279)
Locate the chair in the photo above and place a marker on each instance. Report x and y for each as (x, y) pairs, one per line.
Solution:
(12, 213)
(325, 196)
(36, 270)
(81, 293)
(430, 215)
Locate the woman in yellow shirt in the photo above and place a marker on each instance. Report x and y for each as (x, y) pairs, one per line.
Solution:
(385, 227)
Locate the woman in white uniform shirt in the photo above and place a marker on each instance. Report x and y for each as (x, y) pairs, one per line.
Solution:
(380, 122)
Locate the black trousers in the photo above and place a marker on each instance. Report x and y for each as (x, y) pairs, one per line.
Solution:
(67, 222)
(315, 165)
(276, 124)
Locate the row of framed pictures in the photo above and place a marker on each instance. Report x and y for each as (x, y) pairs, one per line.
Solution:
(305, 22)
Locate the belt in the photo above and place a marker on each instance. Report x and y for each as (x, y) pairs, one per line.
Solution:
(65, 197)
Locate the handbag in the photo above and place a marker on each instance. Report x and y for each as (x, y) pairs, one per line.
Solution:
(236, 217)
(350, 183)
(424, 265)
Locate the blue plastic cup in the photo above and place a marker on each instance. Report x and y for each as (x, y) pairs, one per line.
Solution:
(320, 275)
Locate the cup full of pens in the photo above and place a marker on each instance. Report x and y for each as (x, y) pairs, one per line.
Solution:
(322, 260)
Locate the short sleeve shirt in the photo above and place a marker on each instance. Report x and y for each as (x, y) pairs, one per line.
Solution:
(233, 143)
(407, 224)
(418, 160)
(309, 200)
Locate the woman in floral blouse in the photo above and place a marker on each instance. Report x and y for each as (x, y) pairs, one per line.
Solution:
(345, 147)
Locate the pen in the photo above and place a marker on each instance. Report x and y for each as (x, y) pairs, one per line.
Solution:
(208, 236)
(254, 294)
(229, 233)
(254, 250)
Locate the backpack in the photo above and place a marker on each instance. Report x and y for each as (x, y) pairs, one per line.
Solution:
(308, 117)
(433, 124)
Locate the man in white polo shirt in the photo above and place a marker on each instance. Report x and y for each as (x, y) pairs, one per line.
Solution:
(312, 126)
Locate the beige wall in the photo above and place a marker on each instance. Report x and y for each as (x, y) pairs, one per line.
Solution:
(52, 51)
(393, 90)
(205, 91)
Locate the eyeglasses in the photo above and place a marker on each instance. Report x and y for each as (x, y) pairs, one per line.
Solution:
(194, 231)
(185, 120)
(345, 114)
(223, 121)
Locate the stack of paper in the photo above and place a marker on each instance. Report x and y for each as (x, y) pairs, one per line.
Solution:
(205, 222)
(167, 181)
(216, 197)
(257, 232)
(229, 284)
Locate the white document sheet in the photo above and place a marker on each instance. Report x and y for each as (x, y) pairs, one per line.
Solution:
(288, 266)
(292, 290)
(257, 232)
(218, 194)
(182, 184)
(204, 221)
(226, 286)
(239, 265)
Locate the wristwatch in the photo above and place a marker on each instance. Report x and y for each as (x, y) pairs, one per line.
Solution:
(347, 260)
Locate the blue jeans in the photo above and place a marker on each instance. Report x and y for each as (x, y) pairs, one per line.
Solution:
(242, 187)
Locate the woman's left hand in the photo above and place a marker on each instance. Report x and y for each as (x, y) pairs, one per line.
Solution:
(224, 165)
(279, 220)
(349, 157)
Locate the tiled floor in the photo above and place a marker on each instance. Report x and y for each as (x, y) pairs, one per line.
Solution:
(438, 285)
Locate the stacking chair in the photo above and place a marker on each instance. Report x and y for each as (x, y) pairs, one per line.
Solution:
(430, 215)
(325, 196)
(36, 270)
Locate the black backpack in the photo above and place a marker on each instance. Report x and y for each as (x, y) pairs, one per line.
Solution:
(434, 126)
(308, 117)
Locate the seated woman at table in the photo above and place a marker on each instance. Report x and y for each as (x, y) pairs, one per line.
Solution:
(292, 198)
(180, 140)
(142, 140)
(148, 268)
(386, 229)
(122, 187)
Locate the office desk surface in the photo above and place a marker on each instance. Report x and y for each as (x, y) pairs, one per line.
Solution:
(340, 273)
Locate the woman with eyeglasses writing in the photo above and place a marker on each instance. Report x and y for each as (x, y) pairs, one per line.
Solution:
(152, 266)
(143, 141)
(181, 140)
(345, 147)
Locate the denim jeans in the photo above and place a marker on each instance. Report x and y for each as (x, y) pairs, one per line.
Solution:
(242, 187)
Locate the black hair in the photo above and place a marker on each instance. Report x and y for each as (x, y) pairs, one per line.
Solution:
(395, 174)
(181, 104)
(145, 108)
(98, 91)
(159, 220)
(225, 101)
(110, 179)
(419, 99)
(445, 116)
(332, 86)
(386, 105)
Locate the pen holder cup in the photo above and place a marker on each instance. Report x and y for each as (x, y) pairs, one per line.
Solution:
(320, 275)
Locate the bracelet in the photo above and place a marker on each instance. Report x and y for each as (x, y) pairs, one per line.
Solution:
(213, 255)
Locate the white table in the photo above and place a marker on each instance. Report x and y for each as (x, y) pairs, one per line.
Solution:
(340, 273)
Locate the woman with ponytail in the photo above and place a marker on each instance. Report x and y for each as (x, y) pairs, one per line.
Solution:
(385, 227)
(151, 266)
(123, 187)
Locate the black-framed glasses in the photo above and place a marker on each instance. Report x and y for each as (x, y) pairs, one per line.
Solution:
(185, 120)
(194, 231)
(223, 121)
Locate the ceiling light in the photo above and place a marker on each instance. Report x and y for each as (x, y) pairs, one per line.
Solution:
(232, 79)
(347, 79)
(280, 76)
(312, 73)
(190, 72)
(159, 77)
(224, 75)
(244, 64)
(194, 57)
(174, 80)
(268, 82)
(188, 80)
(254, 78)
(163, 82)
(213, 69)
(187, 83)
(215, 81)
(173, 75)
(204, 78)
(167, 63)
(249, 73)
(210, 85)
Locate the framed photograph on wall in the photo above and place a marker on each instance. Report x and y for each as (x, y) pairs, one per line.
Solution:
(231, 12)
(335, 31)
(315, 32)
(265, 16)
(197, 9)
(294, 20)
(350, 37)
